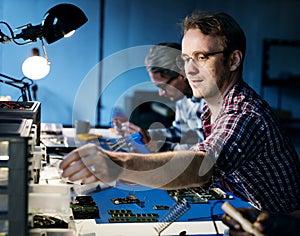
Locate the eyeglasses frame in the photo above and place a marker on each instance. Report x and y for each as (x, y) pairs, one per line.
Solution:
(180, 61)
(163, 86)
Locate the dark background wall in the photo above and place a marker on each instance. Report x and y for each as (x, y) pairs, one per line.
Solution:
(73, 88)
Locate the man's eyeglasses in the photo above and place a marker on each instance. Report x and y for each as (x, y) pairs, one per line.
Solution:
(199, 58)
(163, 86)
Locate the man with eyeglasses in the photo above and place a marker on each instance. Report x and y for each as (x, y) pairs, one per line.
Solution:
(171, 82)
(244, 149)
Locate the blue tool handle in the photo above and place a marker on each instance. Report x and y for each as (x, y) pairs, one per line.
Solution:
(136, 140)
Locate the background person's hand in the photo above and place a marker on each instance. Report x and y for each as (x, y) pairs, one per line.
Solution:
(120, 125)
(278, 224)
(134, 128)
(126, 128)
(266, 223)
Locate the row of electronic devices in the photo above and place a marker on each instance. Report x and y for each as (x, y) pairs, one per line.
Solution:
(21, 158)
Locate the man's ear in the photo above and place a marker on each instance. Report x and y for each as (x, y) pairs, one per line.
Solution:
(235, 60)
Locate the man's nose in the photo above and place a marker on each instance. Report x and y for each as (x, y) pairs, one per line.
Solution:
(191, 68)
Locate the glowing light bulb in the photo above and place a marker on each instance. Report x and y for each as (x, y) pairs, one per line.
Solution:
(36, 67)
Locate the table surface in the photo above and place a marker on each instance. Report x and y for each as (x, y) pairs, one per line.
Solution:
(196, 221)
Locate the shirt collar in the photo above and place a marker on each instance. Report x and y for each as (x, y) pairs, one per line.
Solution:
(195, 100)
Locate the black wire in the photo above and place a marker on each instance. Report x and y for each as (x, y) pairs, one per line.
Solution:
(18, 99)
(12, 34)
(9, 28)
(215, 217)
(204, 218)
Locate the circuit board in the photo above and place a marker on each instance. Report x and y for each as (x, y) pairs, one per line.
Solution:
(199, 195)
(135, 203)
(127, 216)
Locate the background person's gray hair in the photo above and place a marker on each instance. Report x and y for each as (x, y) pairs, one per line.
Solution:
(162, 59)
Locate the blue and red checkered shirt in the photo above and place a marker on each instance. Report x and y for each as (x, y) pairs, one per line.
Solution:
(254, 158)
(186, 129)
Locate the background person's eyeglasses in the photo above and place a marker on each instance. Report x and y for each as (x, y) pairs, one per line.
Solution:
(163, 86)
(199, 58)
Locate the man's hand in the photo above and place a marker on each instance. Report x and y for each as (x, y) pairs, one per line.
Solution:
(91, 163)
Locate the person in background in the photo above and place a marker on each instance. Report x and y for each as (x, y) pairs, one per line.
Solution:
(186, 129)
(245, 148)
(265, 223)
(34, 87)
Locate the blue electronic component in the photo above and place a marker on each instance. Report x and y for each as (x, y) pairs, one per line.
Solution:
(133, 142)
(136, 140)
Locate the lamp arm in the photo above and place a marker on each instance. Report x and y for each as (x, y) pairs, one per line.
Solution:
(10, 83)
(30, 32)
(11, 78)
(5, 38)
(25, 88)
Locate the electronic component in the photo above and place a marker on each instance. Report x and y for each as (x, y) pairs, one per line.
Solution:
(130, 199)
(16, 143)
(133, 143)
(23, 110)
(45, 221)
(199, 195)
(156, 207)
(176, 211)
(126, 216)
(51, 128)
(136, 141)
(88, 136)
(84, 207)
(38, 154)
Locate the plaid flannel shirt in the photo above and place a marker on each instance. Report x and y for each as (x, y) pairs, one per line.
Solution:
(254, 158)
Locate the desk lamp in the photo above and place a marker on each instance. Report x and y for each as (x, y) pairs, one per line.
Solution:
(60, 21)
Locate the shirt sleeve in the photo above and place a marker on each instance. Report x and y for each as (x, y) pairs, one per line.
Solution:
(169, 146)
(171, 134)
(235, 138)
(186, 129)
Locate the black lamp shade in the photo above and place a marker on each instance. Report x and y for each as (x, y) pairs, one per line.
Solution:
(60, 20)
